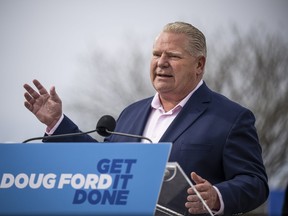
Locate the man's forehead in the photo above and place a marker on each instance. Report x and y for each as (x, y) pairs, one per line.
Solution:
(170, 35)
(171, 45)
(170, 39)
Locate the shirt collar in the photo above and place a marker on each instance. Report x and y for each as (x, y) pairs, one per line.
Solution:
(156, 104)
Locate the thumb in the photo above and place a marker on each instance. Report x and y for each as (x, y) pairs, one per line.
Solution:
(196, 178)
(54, 95)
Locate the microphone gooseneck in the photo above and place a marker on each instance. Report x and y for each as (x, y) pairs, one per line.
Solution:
(58, 136)
(105, 122)
(128, 135)
(105, 127)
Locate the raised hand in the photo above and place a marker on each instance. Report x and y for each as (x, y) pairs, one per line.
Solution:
(47, 107)
(207, 192)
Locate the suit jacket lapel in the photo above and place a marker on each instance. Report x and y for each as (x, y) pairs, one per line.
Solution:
(140, 124)
(140, 119)
(195, 106)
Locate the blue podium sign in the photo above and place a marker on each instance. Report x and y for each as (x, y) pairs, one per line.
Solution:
(81, 178)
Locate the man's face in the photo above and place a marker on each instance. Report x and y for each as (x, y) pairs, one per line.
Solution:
(174, 72)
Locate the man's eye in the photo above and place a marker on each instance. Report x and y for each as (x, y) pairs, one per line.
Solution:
(175, 56)
(156, 54)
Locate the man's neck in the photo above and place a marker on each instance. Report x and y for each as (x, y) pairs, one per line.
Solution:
(170, 101)
(168, 104)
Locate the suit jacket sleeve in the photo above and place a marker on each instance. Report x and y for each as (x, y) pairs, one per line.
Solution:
(67, 126)
(245, 186)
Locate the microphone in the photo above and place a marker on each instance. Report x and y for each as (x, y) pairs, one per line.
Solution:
(104, 127)
(107, 122)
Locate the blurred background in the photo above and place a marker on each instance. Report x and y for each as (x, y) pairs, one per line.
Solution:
(97, 55)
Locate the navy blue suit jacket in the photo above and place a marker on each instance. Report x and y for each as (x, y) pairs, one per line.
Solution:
(212, 136)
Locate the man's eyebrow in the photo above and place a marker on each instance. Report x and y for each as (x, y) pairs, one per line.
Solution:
(172, 52)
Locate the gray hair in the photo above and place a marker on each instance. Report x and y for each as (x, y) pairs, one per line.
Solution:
(196, 39)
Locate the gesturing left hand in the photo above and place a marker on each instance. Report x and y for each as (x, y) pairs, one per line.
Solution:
(207, 192)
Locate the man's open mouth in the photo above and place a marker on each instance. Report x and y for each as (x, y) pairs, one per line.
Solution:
(164, 75)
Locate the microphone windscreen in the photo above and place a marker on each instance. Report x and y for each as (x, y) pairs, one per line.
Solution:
(106, 122)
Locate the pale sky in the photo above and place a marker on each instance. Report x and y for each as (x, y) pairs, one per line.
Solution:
(45, 40)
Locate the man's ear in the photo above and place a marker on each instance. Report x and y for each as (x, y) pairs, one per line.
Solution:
(201, 61)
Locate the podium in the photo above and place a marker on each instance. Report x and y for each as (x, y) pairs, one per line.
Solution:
(91, 179)
(81, 178)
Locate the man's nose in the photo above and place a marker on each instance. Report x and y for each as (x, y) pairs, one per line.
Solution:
(163, 61)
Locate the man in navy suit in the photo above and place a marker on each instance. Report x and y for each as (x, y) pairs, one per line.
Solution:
(214, 139)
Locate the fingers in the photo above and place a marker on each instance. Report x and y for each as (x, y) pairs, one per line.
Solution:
(196, 178)
(28, 106)
(194, 204)
(47, 107)
(193, 197)
(35, 99)
(31, 91)
(34, 94)
(195, 207)
(208, 194)
(202, 185)
(40, 88)
(29, 101)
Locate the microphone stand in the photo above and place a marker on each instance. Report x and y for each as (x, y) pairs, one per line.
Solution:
(128, 135)
(59, 136)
